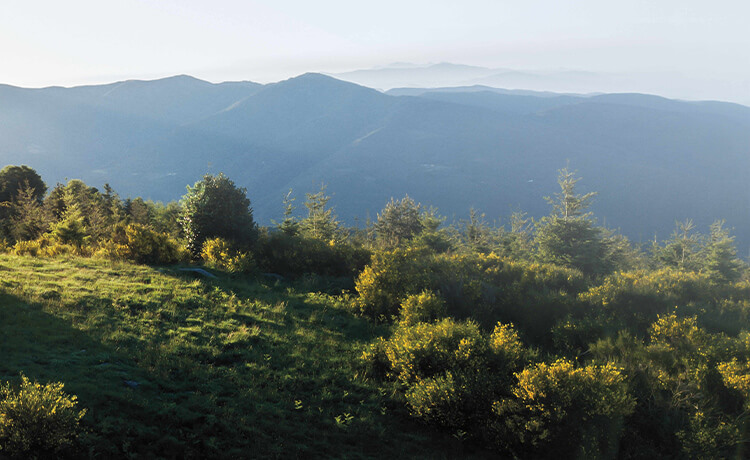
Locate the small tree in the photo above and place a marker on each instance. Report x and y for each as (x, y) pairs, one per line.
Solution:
(29, 220)
(682, 249)
(289, 225)
(215, 207)
(399, 221)
(320, 222)
(720, 256)
(568, 236)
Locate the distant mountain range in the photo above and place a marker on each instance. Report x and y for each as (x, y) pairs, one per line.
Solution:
(652, 160)
(670, 84)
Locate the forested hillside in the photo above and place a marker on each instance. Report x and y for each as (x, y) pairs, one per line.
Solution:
(654, 161)
(186, 330)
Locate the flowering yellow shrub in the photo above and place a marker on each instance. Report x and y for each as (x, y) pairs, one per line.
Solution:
(568, 407)
(219, 253)
(37, 420)
(423, 307)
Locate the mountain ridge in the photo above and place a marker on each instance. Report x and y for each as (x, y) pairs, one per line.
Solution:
(493, 150)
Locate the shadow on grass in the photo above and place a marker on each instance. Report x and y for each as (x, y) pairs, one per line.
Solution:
(249, 370)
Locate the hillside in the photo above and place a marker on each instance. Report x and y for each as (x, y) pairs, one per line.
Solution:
(653, 161)
(173, 366)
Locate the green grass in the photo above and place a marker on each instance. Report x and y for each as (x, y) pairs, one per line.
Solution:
(223, 368)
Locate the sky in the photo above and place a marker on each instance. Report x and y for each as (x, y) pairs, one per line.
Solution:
(73, 42)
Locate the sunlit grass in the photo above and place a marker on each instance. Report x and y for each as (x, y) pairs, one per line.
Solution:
(171, 365)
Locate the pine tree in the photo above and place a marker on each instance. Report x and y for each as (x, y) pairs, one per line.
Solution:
(720, 255)
(320, 222)
(569, 235)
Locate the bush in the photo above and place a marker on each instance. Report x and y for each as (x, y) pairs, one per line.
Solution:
(425, 350)
(143, 245)
(37, 420)
(218, 253)
(47, 247)
(420, 308)
(296, 255)
(390, 277)
(450, 371)
(486, 288)
(635, 299)
(573, 411)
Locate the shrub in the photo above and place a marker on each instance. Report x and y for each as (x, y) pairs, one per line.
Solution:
(47, 246)
(296, 255)
(424, 307)
(450, 371)
(390, 277)
(219, 253)
(425, 350)
(574, 411)
(37, 420)
(143, 245)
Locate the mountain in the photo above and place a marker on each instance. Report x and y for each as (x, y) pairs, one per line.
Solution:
(652, 160)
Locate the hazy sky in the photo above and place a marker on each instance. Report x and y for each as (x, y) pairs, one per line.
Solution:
(46, 42)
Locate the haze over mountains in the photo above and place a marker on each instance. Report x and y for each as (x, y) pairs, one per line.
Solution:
(670, 84)
(652, 160)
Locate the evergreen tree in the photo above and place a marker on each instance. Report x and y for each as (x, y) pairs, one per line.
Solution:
(398, 222)
(569, 235)
(720, 256)
(682, 250)
(289, 225)
(29, 220)
(320, 222)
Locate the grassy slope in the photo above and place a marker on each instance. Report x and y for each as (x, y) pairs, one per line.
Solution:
(223, 368)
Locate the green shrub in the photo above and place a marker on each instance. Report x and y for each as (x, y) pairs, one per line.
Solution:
(218, 253)
(37, 420)
(143, 245)
(573, 411)
(297, 255)
(45, 246)
(390, 277)
(450, 371)
(420, 308)
(483, 287)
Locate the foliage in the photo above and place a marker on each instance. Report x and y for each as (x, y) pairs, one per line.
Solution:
(423, 307)
(399, 222)
(15, 178)
(47, 246)
(215, 207)
(296, 255)
(451, 371)
(573, 411)
(218, 253)
(320, 222)
(142, 245)
(390, 277)
(38, 420)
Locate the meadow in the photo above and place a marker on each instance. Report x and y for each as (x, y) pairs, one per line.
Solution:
(172, 364)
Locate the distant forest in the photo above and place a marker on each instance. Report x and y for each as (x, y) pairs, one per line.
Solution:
(527, 338)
